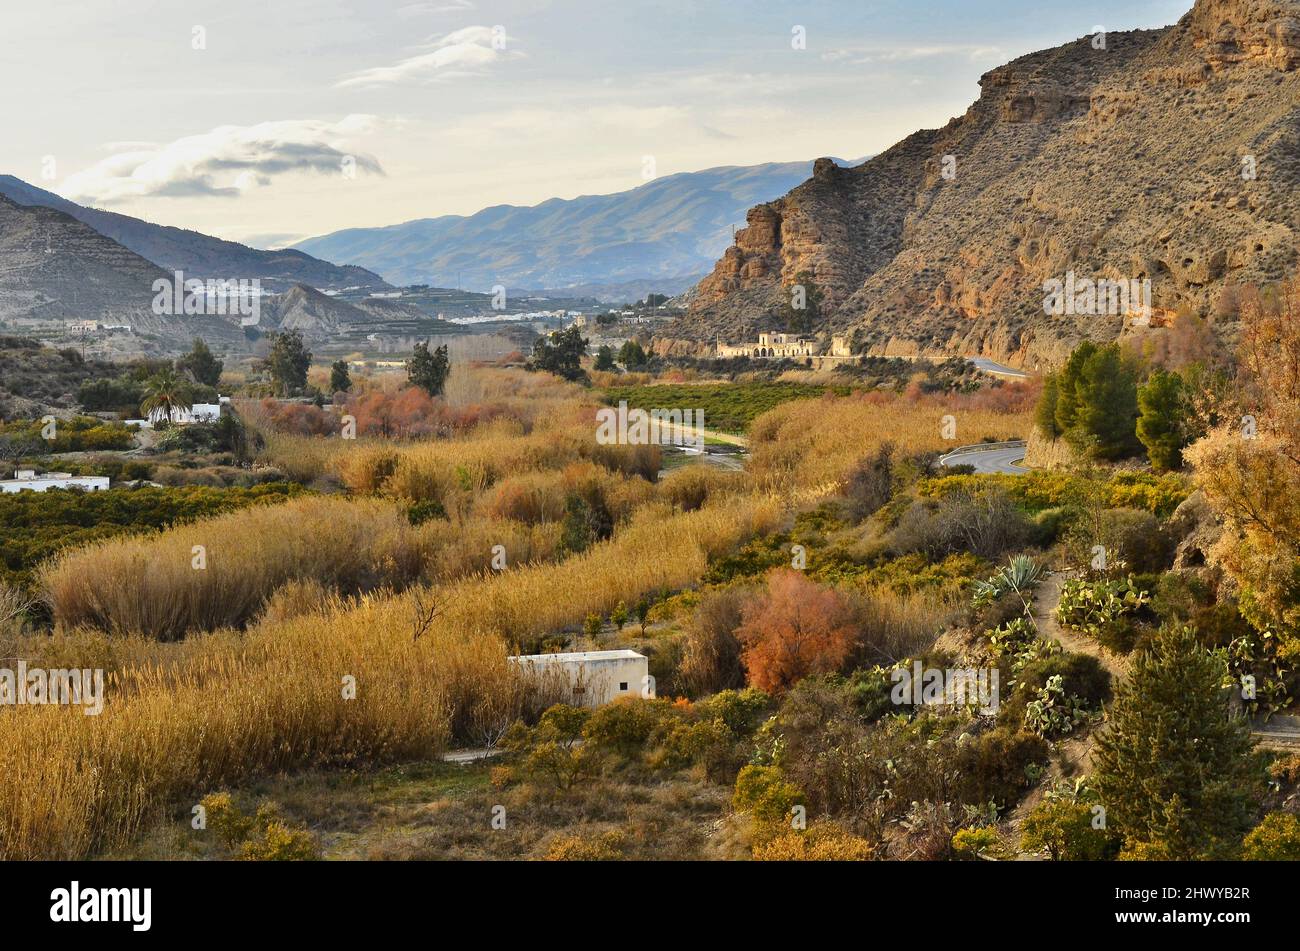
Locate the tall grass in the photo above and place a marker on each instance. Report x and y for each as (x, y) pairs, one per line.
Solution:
(815, 444)
(161, 586)
(183, 718)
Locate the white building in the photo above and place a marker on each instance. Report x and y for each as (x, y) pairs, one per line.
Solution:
(198, 413)
(595, 677)
(777, 346)
(27, 479)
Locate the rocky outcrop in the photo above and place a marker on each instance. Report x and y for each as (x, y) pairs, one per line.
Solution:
(1165, 156)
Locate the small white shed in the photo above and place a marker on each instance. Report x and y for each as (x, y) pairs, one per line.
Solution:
(595, 677)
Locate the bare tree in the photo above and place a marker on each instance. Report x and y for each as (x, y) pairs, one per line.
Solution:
(427, 608)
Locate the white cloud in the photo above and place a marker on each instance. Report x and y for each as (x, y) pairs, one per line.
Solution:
(225, 162)
(463, 52)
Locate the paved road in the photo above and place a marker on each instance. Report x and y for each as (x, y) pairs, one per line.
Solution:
(996, 369)
(995, 459)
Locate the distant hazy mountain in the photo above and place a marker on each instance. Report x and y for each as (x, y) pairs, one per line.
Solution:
(198, 255)
(668, 231)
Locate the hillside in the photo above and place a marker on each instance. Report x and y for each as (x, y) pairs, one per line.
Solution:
(1122, 163)
(55, 270)
(198, 255)
(667, 232)
(318, 315)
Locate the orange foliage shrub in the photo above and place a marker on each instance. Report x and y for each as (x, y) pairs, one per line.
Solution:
(794, 629)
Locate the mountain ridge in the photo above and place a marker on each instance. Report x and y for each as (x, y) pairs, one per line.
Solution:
(197, 254)
(662, 234)
(1119, 163)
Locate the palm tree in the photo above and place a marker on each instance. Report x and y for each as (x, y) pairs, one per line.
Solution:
(167, 392)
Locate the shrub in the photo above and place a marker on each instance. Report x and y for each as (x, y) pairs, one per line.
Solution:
(824, 841)
(794, 629)
(711, 654)
(625, 725)
(1276, 839)
(993, 766)
(764, 793)
(1065, 831)
(973, 842)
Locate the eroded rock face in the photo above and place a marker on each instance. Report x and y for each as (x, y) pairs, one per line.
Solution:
(1168, 156)
(1260, 32)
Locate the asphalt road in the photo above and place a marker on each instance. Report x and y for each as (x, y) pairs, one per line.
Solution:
(997, 369)
(998, 459)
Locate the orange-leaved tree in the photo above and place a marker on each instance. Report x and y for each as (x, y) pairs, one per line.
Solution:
(794, 628)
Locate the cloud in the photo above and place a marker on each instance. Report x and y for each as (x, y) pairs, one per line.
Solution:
(450, 6)
(464, 52)
(225, 162)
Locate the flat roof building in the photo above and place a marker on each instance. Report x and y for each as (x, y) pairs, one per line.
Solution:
(593, 678)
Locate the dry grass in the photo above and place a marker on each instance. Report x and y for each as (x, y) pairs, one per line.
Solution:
(182, 719)
(157, 585)
(811, 444)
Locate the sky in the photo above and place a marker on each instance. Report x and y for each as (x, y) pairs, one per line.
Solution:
(268, 121)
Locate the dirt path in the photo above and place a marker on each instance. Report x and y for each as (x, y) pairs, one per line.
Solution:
(1046, 598)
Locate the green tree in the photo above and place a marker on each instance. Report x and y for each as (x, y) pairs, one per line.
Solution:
(428, 370)
(1173, 768)
(604, 358)
(1161, 424)
(167, 392)
(1105, 418)
(561, 354)
(1067, 383)
(1045, 413)
(631, 354)
(288, 362)
(340, 378)
(201, 364)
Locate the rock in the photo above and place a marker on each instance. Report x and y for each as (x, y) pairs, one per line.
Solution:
(1074, 159)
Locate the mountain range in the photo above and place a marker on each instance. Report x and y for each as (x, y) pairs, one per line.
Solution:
(1170, 156)
(662, 236)
(199, 255)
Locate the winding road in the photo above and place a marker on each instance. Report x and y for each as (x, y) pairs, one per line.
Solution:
(992, 457)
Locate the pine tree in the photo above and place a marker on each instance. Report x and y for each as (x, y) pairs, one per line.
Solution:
(428, 370)
(340, 378)
(1066, 398)
(1045, 413)
(1161, 423)
(1174, 770)
(1105, 411)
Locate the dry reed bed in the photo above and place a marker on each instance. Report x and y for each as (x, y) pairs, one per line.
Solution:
(218, 708)
(817, 443)
(150, 585)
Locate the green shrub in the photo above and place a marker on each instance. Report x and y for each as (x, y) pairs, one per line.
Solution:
(1065, 831)
(1276, 839)
(995, 766)
(764, 793)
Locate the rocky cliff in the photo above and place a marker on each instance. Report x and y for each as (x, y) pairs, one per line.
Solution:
(1170, 156)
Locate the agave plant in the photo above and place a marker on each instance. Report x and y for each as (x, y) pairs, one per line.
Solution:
(1020, 574)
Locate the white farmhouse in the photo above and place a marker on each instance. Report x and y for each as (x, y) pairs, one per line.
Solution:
(198, 413)
(595, 677)
(28, 480)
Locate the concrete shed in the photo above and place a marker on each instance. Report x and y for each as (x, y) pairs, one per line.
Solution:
(595, 677)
